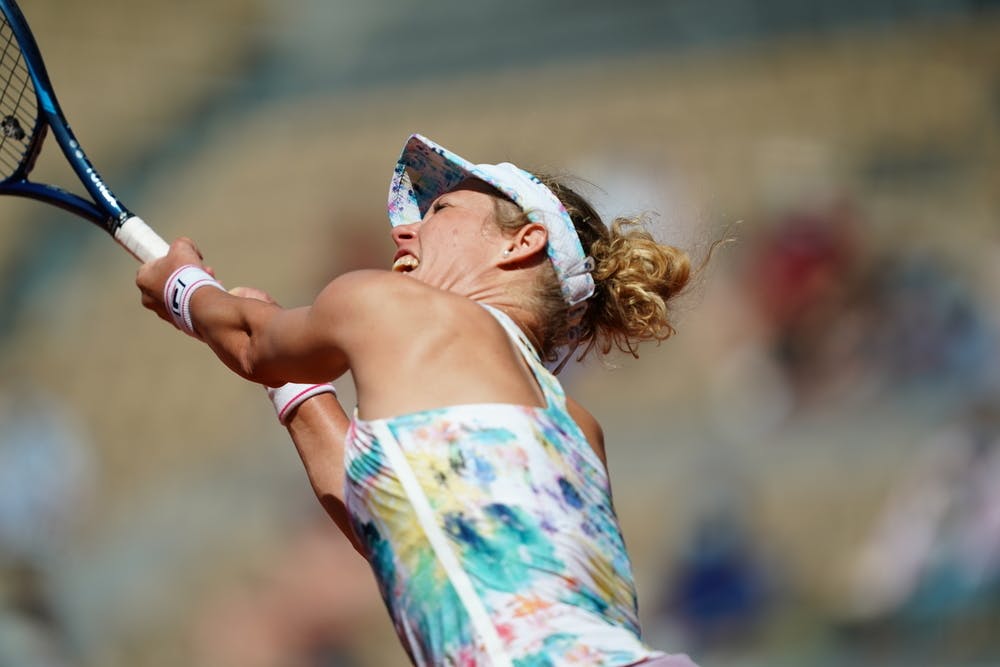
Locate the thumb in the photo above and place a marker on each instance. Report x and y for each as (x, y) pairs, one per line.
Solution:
(252, 293)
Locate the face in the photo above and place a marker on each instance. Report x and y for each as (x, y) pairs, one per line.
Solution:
(456, 241)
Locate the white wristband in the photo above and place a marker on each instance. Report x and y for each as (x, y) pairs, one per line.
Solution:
(289, 396)
(177, 292)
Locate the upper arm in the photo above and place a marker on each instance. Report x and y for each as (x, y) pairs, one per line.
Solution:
(272, 345)
(317, 343)
(590, 426)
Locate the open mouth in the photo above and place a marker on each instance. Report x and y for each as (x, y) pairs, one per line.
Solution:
(405, 264)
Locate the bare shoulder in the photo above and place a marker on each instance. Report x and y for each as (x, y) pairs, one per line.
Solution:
(367, 287)
(375, 294)
(409, 345)
(362, 300)
(590, 426)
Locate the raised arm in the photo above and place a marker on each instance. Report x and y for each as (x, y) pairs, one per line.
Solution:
(259, 341)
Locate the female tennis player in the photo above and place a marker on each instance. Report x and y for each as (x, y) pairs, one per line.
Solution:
(476, 489)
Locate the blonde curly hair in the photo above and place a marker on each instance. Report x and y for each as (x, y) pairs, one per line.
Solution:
(635, 279)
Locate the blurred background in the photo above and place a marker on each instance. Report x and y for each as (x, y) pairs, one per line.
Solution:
(807, 475)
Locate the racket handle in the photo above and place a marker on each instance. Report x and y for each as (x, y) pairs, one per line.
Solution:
(140, 240)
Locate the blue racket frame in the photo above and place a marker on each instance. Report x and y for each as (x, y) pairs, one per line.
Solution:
(105, 210)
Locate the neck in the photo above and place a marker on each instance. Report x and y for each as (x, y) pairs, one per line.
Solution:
(505, 290)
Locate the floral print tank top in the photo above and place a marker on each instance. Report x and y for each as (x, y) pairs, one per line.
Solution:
(491, 533)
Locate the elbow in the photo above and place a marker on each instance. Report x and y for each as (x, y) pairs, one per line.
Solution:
(261, 376)
(248, 363)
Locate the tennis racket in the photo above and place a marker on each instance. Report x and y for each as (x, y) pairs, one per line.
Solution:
(28, 109)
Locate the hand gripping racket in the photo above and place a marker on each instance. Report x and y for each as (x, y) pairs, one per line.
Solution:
(28, 108)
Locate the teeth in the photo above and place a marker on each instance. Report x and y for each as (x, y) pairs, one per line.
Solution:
(405, 263)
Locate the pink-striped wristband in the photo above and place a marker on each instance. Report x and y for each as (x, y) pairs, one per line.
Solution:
(177, 292)
(289, 396)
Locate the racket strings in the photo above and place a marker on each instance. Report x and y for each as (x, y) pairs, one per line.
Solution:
(18, 105)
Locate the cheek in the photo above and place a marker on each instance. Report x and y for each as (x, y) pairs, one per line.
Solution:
(464, 234)
(445, 241)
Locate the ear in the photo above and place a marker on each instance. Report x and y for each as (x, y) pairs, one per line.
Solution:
(525, 244)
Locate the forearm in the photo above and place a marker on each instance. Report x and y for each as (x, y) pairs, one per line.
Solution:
(264, 342)
(251, 335)
(235, 329)
(318, 427)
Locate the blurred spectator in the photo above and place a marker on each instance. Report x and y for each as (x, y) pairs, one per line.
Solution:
(45, 472)
(844, 321)
(804, 276)
(719, 593)
(933, 556)
(927, 329)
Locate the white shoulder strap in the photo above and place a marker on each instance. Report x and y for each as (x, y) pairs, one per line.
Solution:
(514, 331)
(550, 386)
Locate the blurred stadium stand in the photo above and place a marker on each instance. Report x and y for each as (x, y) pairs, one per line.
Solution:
(806, 475)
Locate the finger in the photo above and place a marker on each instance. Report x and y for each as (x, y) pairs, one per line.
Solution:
(185, 247)
(252, 293)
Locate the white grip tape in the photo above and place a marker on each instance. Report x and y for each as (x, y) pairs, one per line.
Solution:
(139, 239)
(289, 396)
(179, 289)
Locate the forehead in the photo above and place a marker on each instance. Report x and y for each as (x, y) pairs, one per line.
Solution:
(478, 186)
(472, 189)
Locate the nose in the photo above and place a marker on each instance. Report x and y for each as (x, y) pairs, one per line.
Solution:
(402, 233)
